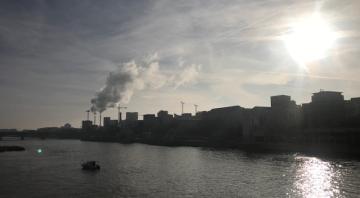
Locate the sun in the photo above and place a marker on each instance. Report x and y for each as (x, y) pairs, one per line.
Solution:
(309, 39)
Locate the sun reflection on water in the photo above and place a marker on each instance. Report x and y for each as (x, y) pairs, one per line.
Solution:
(316, 178)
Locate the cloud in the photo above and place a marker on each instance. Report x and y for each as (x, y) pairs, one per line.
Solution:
(56, 47)
(187, 75)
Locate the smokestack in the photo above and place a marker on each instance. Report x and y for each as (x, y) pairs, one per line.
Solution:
(100, 119)
(94, 117)
(119, 117)
(87, 114)
(119, 112)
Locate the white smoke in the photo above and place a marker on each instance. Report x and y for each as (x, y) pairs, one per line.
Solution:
(131, 77)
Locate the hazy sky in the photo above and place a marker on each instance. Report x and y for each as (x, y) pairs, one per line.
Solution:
(56, 55)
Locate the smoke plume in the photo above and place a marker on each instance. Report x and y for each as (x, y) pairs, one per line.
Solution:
(131, 77)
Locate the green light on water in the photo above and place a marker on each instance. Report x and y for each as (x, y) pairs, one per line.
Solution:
(39, 150)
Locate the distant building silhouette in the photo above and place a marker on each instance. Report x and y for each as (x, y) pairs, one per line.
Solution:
(131, 116)
(284, 113)
(164, 116)
(108, 123)
(326, 109)
(327, 119)
(86, 124)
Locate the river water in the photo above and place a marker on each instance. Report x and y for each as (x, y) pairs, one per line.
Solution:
(51, 168)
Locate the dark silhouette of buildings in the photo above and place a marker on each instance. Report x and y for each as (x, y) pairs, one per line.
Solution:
(87, 124)
(108, 123)
(164, 116)
(328, 123)
(326, 109)
(327, 119)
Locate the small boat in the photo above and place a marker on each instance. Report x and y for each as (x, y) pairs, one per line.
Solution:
(90, 165)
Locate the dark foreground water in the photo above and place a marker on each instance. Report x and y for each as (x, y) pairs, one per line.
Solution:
(137, 170)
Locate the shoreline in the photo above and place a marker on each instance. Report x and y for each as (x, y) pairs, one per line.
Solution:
(320, 150)
(11, 148)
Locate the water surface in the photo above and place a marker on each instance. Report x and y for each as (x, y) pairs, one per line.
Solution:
(51, 168)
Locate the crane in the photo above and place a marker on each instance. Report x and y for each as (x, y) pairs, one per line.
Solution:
(94, 117)
(196, 107)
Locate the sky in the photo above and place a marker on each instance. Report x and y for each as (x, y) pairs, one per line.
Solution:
(56, 56)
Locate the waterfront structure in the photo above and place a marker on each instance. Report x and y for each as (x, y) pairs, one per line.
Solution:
(328, 118)
(284, 115)
(326, 110)
(353, 107)
(258, 120)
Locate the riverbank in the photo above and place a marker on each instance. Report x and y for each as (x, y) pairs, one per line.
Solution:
(319, 149)
(11, 148)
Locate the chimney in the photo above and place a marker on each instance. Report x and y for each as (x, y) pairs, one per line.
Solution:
(94, 117)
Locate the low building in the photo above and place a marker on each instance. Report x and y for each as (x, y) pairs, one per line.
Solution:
(281, 101)
(354, 107)
(149, 120)
(108, 123)
(164, 116)
(200, 115)
(283, 119)
(224, 113)
(184, 116)
(258, 120)
(149, 117)
(131, 116)
(327, 97)
(86, 125)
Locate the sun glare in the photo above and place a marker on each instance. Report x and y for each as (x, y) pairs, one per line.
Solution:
(309, 39)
